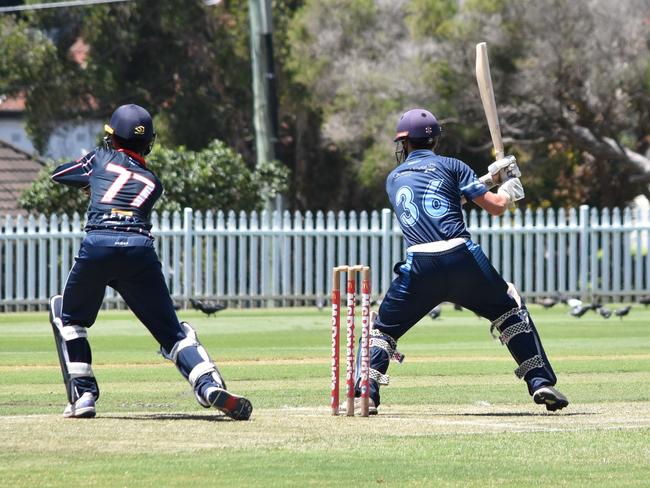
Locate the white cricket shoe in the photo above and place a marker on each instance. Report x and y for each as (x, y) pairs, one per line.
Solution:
(551, 398)
(83, 408)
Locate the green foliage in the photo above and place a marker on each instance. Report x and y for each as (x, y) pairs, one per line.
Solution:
(214, 178)
(427, 18)
(345, 70)
(29, 66)
(47, 197)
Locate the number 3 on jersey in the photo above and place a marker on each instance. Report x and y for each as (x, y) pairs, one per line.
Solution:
(125, 175)
(433, 204)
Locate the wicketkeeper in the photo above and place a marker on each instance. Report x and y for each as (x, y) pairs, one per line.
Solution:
(442, 264)
(118, 251)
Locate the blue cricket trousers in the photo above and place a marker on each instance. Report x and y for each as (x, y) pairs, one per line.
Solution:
(461, 275)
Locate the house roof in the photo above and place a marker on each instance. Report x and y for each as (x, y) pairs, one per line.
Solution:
(18, 169)
(12, 104)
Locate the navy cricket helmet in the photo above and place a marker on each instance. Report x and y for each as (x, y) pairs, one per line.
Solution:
(132, 127)
(417, 124)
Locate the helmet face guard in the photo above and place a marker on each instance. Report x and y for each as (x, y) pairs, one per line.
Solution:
(401, 151)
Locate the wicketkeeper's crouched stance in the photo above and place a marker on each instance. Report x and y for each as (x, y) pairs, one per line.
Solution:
(118, 251)
(443, 264)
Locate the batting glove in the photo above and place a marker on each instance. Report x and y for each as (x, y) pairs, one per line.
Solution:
(504, 169)
(512, 189)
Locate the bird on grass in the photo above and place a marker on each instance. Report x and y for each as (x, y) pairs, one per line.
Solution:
(579, 311)
(622, 312)
(206, 307)
(596, 305)
(435, 312)
(561, 297)
(574, 302)
(645, 300)
(605, 312)
(547, 302)
(458, 307)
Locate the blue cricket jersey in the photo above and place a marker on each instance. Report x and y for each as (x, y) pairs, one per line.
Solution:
(122, 189)
(425, 192)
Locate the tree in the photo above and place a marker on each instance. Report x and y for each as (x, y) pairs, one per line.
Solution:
(185, 62)
(571, 82)
(214, 178)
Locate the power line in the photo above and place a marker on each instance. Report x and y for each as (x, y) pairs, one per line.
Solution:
(71, 3)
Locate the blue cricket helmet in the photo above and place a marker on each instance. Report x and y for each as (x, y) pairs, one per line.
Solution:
(417, 123)
(133, 127)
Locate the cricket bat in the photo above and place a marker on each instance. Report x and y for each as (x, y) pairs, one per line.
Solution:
(487, 97)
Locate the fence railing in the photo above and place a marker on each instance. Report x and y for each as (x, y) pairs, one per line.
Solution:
(284, 259)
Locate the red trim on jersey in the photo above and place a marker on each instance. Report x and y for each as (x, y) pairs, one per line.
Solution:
(134, 155)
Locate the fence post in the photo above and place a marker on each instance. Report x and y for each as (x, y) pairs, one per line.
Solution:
(584, 251)
(42, 257)
(19, 292)
(9, 260)
(187, 253)
(386, 265)
(594, 234)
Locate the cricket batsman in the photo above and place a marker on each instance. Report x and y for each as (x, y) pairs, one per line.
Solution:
(427, 190)
(118, 251)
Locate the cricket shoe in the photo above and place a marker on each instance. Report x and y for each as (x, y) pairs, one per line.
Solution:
(372, 408)
(235, 407)
(552, 398)
(83, 408)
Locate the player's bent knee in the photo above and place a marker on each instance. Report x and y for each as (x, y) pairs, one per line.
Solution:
(385, 342)
(515, 329)
(194, 362)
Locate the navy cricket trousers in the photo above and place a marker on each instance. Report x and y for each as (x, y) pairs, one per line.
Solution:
(461, 275)
(128, 263)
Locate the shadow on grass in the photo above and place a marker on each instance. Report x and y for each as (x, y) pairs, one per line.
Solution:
(525, 414)
(169, 416)
(489, 414)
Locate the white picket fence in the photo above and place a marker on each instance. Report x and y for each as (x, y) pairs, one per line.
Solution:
(274, 259)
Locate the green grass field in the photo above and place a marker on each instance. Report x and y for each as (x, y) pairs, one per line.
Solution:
(454, 414)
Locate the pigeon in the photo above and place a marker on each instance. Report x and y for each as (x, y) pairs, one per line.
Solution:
(645, 300)
(435, 312)
(579, 311)
(547, 302)
(321, 303)
(574, 303)
(458, 307)
(561, 297)
(605, 312)
(207, 308)
(622, 312)
(595, 306)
